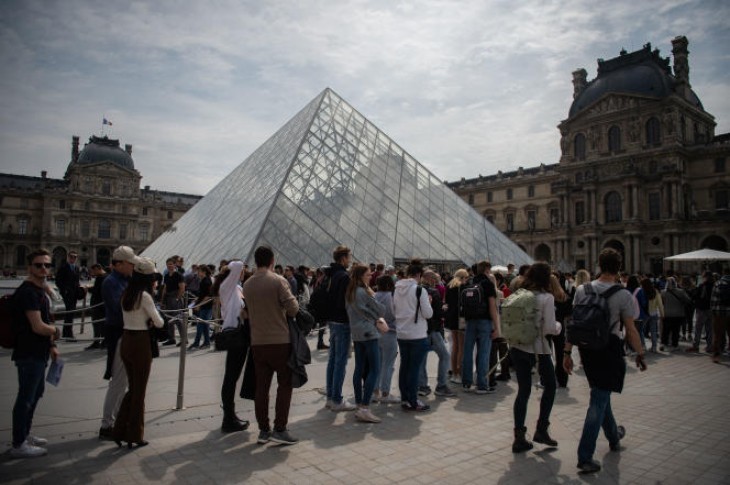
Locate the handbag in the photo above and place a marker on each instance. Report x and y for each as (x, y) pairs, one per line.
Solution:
(232, 338)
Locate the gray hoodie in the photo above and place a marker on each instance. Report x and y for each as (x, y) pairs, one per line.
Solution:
(363, 312)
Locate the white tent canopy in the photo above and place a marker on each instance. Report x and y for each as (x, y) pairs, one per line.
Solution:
(701, 255)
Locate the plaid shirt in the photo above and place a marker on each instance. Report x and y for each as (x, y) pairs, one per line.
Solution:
(717, 305)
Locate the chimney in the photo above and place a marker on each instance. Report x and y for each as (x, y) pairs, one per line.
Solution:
(580, 79)
(74, 149)
(147, 188)
(44, 174)
(681, 64)
(128, 149)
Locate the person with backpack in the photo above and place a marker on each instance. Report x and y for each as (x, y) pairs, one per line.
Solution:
(478, 305)
(603, 306)
(525, 355)
(412, 307)
(675, 301)
(703, 315)
(34, 342)
(720, 306)
(339, 326)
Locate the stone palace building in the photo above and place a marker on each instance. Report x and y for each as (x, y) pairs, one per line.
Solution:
(641, 170)
(97, 206)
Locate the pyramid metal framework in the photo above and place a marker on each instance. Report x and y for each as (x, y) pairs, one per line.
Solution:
(328, 177)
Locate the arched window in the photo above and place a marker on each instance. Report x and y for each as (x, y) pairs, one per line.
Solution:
(613, 207)
(653, 132)
(614, 139)
(579, 146)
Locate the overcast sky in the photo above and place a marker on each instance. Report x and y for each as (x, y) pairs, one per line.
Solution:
(467, 87)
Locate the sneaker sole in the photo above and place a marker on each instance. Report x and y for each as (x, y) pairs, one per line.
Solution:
(283, 442)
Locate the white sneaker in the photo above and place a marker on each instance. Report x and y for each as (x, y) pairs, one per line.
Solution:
(36, 441)
(343, 406)
(26, 450)
(455, 380)
(364, 415)
(389, 399)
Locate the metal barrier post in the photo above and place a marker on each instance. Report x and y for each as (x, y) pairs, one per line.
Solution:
(183, 351)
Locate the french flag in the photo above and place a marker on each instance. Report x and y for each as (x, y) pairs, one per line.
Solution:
(106, 122)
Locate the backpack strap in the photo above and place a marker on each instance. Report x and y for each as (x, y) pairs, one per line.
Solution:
(608, 294)
(419, 290)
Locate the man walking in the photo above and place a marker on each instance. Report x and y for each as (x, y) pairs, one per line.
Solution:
(270, 301)
(68, 283)
(605, 368)
(34, 343)
(123, 261)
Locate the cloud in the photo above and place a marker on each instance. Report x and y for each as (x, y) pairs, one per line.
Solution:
(466, 87)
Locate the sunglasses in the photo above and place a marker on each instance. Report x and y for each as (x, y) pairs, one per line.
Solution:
(43, 265)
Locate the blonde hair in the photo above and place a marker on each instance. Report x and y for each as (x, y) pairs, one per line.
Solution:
(459, 277)
(556, 290)
(582, 277)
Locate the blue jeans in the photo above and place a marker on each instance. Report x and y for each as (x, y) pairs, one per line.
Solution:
(388, 352)
(523, 363)
(599, 416)
(651, 325)
(412, 355)
(479, 333)
(337, 360)
(367, 370)
(31, 384)
(202, 329)
(437, 344)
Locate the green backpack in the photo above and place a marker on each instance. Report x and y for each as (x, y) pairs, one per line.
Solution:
(519, 318)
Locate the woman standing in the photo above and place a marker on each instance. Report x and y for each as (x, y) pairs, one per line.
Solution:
(388, 341)
(205, 310)
(455, 324)
(139, 314)
(537, 280)
(411, 314)
(366, 325)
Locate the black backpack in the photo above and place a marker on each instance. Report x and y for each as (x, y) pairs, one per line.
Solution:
(319, 300)
(591, 325)
(473, 302)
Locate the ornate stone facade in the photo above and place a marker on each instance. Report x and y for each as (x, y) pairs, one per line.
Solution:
(641, 170)
(97, 206)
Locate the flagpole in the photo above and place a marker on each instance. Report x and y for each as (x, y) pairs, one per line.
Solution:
(102, 125)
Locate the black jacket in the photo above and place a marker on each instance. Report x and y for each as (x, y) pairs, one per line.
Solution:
(339, 279)
(68, 281)
(451, 317)
(434, 323)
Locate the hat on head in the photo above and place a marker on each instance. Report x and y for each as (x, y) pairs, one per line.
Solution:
(125, 253)
(145, 266)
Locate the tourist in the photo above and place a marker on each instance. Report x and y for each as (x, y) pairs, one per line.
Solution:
(388, 342)
(455, 323)
(204, 307)
(525, 356)
(366, 326)
(411, 313)
(140, 315)
(675, 300)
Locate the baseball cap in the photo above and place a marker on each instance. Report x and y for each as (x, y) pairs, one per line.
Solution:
(125, 253)
(145, 266)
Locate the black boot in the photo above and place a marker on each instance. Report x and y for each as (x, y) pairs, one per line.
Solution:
(541, 435)
(231, 422)
(520, 443)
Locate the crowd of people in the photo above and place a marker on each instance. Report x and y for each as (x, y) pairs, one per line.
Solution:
(381, 312)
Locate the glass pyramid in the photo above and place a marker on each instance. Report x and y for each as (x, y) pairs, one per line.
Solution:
(328, 177)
